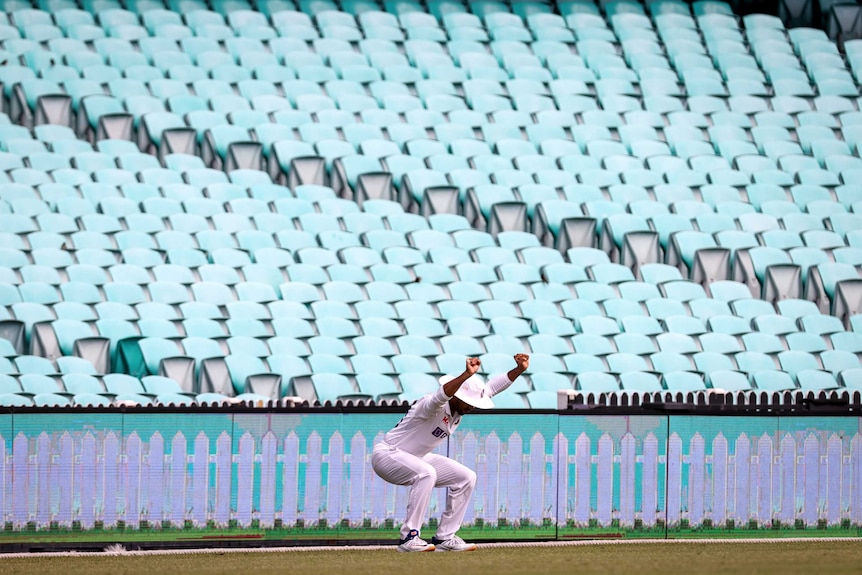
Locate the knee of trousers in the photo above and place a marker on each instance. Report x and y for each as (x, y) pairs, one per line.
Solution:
(467, 481)
(426, 475)
(470, 479)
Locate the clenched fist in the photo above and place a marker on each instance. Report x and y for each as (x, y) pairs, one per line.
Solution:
(522, 360)
(473, 365)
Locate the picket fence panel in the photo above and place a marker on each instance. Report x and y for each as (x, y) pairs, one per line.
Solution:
(93, 477)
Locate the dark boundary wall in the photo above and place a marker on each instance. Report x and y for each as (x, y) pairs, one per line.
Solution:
(156, 478)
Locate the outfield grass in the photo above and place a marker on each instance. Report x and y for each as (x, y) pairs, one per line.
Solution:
(154, 538)
(700, 558)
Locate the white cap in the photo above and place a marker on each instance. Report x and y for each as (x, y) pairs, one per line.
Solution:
(472, 392)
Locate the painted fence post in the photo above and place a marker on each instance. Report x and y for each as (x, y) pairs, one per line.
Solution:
(787, 511)
(822, 471)
(549, 487)
(88, 485)
(649, 480)
(480, 490)
(742, 474)
(856, 480)
(131, 470)
(583, 479)
(223, 479)
(55, 479)
(155, 484)
(111, 481)
(378, 506)
(764, 479)
(483, 483)
(696, 479)
(628, 462)
(515, 483)
(42, 484)
(268, 464)
(98, 474)
(313, 465)
(504, 513)
(20, 489)
(605, 480)
(536, 478)
(31, 482)
(245, 479)
(65, 467)
(561, 476)
(719, 480)
(674, 479)
(177, 479)
(334, 477)
(491, 477)
(358, 479)
(811, 480)
(290, 480)
(200, 480)
(834, 455)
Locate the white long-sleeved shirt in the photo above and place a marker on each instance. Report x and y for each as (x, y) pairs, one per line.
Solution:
(430, 420)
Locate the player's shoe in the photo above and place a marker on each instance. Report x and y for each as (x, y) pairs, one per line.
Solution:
(413, 544)
(453, 544)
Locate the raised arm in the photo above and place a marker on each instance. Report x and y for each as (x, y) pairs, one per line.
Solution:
(522, 362)
(451, 387)
(500, 383)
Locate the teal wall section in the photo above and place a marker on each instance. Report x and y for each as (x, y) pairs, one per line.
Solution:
(289, 476)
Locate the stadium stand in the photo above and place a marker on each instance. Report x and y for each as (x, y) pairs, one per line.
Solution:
(210, 202)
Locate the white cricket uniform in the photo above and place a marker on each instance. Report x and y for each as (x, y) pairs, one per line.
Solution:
(404, 458)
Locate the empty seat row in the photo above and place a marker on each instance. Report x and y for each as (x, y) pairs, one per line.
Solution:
(34, 365)
(175, 282)
(38, 239)
(86, 390)
(386, 345)
(564, 318)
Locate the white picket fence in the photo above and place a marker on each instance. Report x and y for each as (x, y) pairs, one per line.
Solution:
(91, 477)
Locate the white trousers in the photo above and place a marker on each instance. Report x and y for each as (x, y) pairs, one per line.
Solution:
(423, 474)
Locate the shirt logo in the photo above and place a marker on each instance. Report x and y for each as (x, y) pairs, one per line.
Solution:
(438, 432)
(446, 420)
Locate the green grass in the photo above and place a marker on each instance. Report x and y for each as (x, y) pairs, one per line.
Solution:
(168, 535)
(156, 537)
(782, 558)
